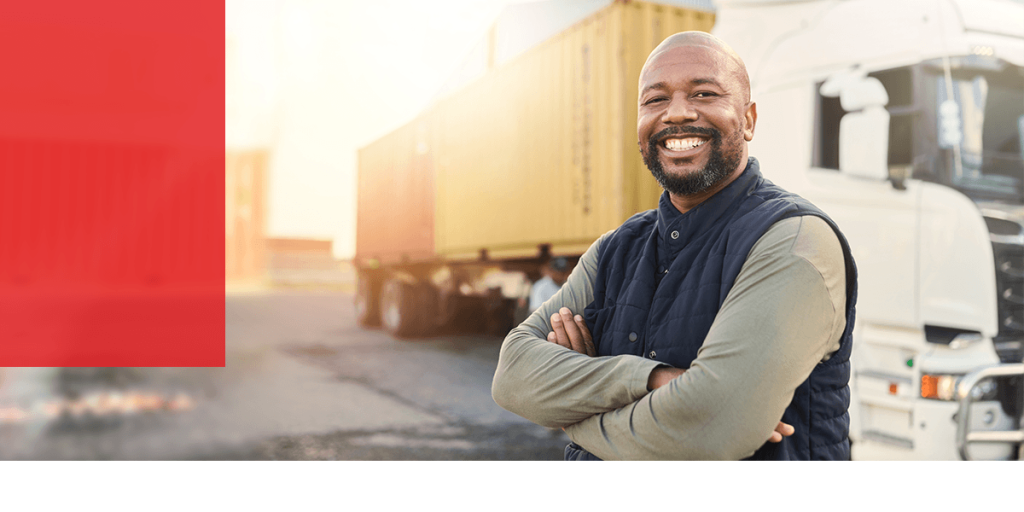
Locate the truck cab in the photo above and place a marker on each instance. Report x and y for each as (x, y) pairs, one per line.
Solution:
(905, 123)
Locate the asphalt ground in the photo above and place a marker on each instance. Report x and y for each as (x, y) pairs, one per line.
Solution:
(302, 382)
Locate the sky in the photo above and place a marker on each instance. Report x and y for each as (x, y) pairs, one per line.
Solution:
(314, 80)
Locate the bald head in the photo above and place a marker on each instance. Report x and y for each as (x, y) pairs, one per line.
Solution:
(730, 58)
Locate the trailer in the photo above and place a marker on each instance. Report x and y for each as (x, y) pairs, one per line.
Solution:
(534, 160)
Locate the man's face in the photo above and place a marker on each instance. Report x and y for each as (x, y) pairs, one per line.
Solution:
(694, 119)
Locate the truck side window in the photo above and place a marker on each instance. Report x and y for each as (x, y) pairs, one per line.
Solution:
(826, 144)
(899, 84)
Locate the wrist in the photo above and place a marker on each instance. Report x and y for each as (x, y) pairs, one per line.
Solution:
(655, 378)
(662, 375)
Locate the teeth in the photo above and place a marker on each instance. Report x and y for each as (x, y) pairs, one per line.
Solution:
(683, 144)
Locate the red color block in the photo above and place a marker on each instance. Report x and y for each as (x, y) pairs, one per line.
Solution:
(112, 183)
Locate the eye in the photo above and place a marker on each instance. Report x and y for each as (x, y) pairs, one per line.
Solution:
(705, 94)
(653, 100)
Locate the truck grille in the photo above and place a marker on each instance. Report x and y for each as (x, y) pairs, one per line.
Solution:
(1010, 290)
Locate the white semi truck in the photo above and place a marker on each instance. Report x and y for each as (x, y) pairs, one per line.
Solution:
(904, 121)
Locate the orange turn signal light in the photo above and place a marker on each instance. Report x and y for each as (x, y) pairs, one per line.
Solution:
(929, 386)
(939, 387)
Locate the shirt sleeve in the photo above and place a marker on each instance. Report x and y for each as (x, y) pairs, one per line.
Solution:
(554, 386)
(784, 315)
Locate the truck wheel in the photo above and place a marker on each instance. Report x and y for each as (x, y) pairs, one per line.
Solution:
(367, 301)
(405, 309)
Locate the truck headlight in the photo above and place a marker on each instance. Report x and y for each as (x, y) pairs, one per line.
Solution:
(943, 387)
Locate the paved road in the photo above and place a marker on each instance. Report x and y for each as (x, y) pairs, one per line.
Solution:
(302, 381)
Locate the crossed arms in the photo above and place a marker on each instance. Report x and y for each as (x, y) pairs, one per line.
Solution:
(784, 315)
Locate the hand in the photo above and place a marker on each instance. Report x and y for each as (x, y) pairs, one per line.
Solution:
(781, 430)
(571, 332)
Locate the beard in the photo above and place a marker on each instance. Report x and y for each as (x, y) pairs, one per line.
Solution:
(719, 166)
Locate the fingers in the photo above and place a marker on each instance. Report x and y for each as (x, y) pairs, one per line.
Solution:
(782, 429)
(568, 331)
(785, 429)
(572, 328)
(554, 337)
(558, 334)
(588, 340)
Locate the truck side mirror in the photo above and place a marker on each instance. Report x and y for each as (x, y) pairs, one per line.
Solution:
(864, 130)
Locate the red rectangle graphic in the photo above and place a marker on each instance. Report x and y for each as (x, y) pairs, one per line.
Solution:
(112, 183)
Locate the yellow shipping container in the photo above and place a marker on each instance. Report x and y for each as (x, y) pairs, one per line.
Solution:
(536, 158)
(540, 151)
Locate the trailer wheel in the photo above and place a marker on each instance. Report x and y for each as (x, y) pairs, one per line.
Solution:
(405, 309)
(367, 301)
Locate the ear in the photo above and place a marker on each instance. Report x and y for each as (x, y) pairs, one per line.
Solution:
(750, 119)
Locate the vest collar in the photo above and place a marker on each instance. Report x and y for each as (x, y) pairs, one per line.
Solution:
(676, 229)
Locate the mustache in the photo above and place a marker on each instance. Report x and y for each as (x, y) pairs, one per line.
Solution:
(685, 130)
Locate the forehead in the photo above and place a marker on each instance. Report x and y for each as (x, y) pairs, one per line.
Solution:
(684, 64)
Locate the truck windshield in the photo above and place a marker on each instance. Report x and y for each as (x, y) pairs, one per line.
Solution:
(981, 113)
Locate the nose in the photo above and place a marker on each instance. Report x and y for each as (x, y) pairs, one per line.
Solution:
(679, 110)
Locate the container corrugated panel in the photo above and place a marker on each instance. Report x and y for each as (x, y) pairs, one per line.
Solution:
(395, 215)
(541, 150)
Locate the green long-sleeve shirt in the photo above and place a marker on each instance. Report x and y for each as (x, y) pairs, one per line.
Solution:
(784, 314)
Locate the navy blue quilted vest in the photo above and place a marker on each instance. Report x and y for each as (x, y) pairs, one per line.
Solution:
(662, 277)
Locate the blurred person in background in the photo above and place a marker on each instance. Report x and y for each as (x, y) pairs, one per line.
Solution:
(555, 273)
(717, 326)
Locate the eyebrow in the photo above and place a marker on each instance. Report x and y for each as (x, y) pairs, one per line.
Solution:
(695, 81)
(702, 81)
(659, 85)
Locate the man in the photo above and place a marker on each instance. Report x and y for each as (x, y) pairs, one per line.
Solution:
(555, 274)
(715, 327)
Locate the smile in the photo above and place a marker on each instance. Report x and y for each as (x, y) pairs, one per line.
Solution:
(674, 144)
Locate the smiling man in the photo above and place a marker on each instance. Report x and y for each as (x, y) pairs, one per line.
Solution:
(717, 326)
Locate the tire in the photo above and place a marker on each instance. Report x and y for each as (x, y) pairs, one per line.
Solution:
(367, 301)
(406, 311)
